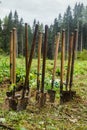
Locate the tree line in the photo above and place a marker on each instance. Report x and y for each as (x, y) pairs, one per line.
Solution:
(72, 19)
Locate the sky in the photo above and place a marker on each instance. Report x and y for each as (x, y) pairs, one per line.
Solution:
(43, 10)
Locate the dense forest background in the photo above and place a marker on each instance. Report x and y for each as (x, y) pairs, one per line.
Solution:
(72, 19)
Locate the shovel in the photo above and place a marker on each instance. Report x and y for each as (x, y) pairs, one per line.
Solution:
(62, 64)
(69, 61)
(73, 58)
(26, 46)
(52, 92)
(13, 101)
(73, 93)
(11, 57)
(69, 94)
(26, 84)
(38, 66)
(24, 98)
(43, 95)
(66, 93)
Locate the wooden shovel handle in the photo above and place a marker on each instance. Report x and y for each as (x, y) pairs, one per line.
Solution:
(57, 39)
(11, 57)
(62, 60)
(14, 54)
(26, 45)
(73, 58)
(44, 58)
(26, 85)
(39, 57)
(31, 55)
(69, 60)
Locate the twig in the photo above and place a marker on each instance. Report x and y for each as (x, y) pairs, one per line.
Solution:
(6, 126)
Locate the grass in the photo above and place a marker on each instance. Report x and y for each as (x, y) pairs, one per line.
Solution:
(69, 116)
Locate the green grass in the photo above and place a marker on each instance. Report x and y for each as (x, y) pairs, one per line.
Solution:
(69, 116)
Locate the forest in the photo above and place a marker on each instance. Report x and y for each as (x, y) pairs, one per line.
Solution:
(72, 19)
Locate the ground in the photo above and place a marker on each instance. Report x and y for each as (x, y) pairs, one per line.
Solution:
(53, 116)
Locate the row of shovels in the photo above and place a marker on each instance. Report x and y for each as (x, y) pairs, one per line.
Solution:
(20, 101)
(14, 98)
(68, 94)
(65, 95)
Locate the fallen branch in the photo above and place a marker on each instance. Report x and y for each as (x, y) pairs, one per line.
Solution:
(6, 126)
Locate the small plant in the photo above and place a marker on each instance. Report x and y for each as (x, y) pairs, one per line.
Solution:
(82, 55)
(11, 87)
